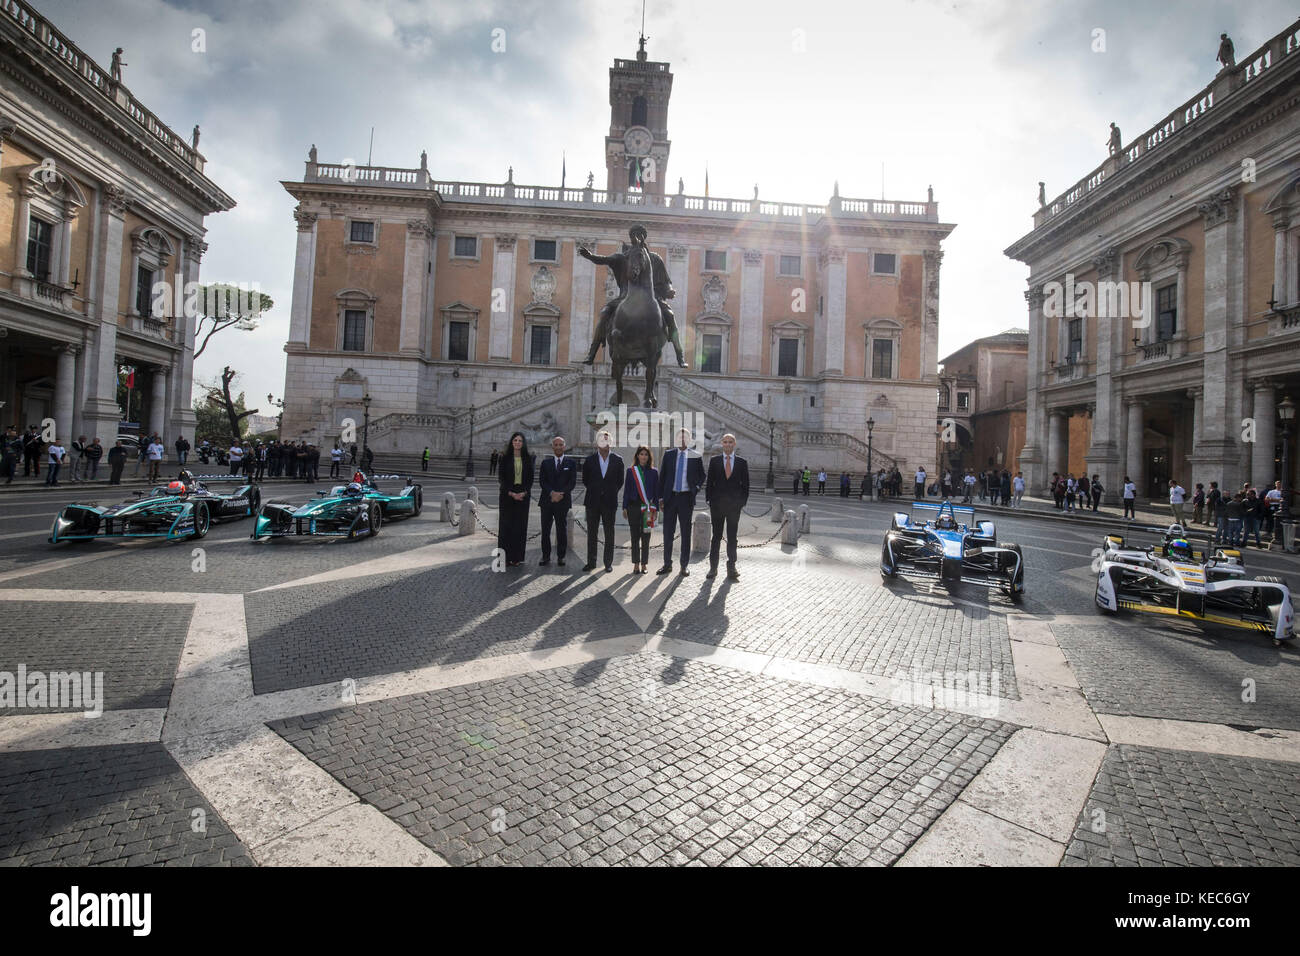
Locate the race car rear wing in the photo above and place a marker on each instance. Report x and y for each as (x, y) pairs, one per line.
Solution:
(960, 513)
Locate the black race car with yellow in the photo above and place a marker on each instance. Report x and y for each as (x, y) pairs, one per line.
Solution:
(1208, 585)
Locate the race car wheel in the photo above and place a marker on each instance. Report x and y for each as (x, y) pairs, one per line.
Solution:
(1016, 594)
(417, 503)
(202, 520)
(376, 519)
(254, 502)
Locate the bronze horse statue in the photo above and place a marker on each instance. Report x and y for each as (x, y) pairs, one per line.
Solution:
(636, 335)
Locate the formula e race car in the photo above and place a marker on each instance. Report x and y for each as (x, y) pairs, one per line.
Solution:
(181, 509)
(1208, 585)
(355, 510)
(945, 543)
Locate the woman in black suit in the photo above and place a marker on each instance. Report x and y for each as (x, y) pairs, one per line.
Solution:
(515, 475)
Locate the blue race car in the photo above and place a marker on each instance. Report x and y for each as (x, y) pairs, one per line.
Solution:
(355, 510)
(944, 543)
(182, 509)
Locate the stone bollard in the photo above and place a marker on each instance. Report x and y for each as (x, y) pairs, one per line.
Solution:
(568, 527)
(448, 512)
(471, 494)
(790, 533)
(468, 516)
(778, 511)
(805, 520)
(701, 533)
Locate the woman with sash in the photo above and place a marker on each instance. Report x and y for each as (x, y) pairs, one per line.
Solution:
(640, 492)
(515, 474)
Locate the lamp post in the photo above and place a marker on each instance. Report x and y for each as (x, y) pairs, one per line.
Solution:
(469, 462)
(871, 480)
(365, 428)
(1286, 412)
(279, 419)
(771, 447)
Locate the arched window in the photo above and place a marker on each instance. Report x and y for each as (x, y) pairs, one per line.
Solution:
(638, 112)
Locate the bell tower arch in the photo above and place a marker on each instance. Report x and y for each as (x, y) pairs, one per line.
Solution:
(636, 149)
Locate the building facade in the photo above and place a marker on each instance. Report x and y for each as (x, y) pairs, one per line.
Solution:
(1164, 311)
(463, 309)
(982, 397)
(99, 201)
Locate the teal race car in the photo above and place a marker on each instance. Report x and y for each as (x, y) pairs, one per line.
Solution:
(355, 510)
(180, 510)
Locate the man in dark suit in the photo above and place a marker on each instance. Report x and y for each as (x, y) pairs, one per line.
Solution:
(681, 473)
(726, 491)
(559, 476)
(602, 476)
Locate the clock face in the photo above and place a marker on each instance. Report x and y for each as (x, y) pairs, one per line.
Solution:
(637, 141)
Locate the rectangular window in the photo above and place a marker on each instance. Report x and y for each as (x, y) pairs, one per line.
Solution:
(144, 291)
(362, 231)
(1076, 340)
(715, 260)
(540, 353)
(884, 263)
(458, 341)
(963, 401)
(354, 330)
(943, 399)
(1166, 312)
(790, 266)
(882, 358)
(40, 239)
(467, 246)
(712, 358)
(544, 249)
(788, 359)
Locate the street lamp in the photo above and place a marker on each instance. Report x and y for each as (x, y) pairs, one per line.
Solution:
(365, 428)
(771, 445)
(1286, 412)
(279, 419)
(871, 481)
(469, 462)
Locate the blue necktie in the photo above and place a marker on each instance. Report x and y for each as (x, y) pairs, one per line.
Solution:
(681, 470)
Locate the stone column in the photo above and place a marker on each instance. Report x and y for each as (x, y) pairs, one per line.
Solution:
(1281, 223)
(1197, 396)
(65, 385)
(501, 334)
(1031, 455)
(677, 262)
(158, 403)
(1135, 462)
(181, 420)
(414, 283)
(1217, 449)
(1262, 465)
(751, 312)
(304, 271)
(101, 412)
(831, 333)
(1103, 448)
(930, 312)
(583, 320)
(1058, 444)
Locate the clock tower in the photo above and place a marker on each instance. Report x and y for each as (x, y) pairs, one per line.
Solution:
(636, 149)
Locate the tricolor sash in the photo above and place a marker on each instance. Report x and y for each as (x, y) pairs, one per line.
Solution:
(648, 511)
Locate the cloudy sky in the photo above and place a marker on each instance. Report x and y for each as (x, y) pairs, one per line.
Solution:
(982, 100)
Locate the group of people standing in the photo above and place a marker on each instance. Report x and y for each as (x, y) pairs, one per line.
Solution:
(647, 496)
(1067, 491)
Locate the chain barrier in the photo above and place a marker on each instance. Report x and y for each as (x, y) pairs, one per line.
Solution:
(762, 514)
(784, 522)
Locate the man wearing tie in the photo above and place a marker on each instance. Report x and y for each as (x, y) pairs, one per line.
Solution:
(602, 476)
(559, 476)
(726, 491)
(681, 473)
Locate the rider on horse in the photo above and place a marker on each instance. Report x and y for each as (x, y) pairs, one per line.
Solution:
(663, 290)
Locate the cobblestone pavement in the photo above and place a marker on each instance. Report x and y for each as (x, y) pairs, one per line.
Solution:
(551, 716)
(134, 647)
(651, 760)
(1182, 672)
(392, 622)
(125, 805)
(1153, 807)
